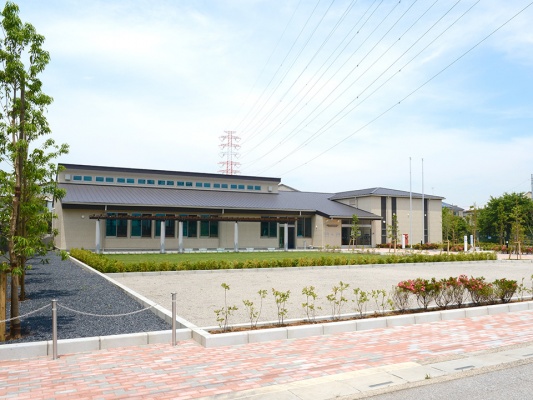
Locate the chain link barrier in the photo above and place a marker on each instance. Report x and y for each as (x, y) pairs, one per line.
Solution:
(105, 315)
(78, 312)
(26, 315)
(55, 305)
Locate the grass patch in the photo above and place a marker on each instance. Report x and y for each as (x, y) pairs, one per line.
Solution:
(214, 261)
(227, 257)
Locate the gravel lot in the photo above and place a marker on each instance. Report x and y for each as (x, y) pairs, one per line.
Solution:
(199, 293)
(79, 289)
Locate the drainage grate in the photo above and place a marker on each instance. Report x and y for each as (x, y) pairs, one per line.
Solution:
(380, 384)
(465, 367)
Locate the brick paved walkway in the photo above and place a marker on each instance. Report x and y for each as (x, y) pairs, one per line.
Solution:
(191, 371)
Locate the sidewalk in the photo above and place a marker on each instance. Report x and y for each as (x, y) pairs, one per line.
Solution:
(323, 367)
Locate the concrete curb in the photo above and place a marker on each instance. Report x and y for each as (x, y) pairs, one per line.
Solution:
(207, 339)
(80, 345)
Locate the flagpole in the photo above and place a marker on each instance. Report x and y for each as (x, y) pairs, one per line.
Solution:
(410, 206)
(423, 207)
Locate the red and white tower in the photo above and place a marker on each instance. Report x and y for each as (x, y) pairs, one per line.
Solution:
(229, 147)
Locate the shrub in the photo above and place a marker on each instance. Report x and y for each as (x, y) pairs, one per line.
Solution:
(425, 291)
(481, 291)
(401, 298)
(504, 289)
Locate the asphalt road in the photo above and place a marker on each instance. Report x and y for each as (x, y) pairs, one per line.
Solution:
(508, 383)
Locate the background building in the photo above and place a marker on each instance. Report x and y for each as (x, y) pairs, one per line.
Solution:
(121, 209)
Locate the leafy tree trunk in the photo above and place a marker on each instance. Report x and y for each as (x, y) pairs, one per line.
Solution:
(25, 186)
(3, 308)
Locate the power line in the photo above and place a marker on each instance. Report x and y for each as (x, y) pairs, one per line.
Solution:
(324, 42)
(415, 90)
(264, 67)
(305, 120)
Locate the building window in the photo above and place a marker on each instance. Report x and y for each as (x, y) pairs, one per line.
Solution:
(224, 186)
(207, 185)
(233, 186)
(188, 184)
(303, 228)
(192, 228)
(161, 182)
(99, 179)
(257, 187)
(250, 187)
(109, 179)
(181, 183)
(169, 226)
(116, 227)
(269, 229)
(146, 227)
(208, 228)
(384, 220)
(241, 187)
(87, 178)
(150, 181)
(216, 185)
(198, 184)
(130, 180)
(170, 183)
(121, 180)
(141, 181)
(135, 226)
(77, 177)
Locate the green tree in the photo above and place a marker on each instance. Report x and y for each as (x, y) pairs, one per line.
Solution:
(30, 178)
(517, 230)
(392, 231)
(495, 218)
(454, 227)
(472, 221)
(355, 231)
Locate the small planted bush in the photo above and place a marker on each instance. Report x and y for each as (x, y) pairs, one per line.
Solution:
(225, 312)
(504, 289)
(481, 291)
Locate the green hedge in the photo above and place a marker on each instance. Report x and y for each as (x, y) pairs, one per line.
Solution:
(105, 265)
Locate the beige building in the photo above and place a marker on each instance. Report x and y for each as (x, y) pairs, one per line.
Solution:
(125, 209)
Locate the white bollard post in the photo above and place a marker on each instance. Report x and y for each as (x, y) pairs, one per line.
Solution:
(173, 319)
(466, 244)
(54, 329)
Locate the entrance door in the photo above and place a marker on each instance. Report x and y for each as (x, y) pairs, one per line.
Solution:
(292, 237)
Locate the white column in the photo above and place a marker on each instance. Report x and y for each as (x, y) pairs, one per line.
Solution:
(162, 247)
(286, 236)
(236, 237)
(98, 240)
(180, 236)
(466, 243)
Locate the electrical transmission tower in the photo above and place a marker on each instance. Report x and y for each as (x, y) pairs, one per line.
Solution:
(229, 147)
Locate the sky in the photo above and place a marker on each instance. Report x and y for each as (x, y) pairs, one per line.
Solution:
(329, 96)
